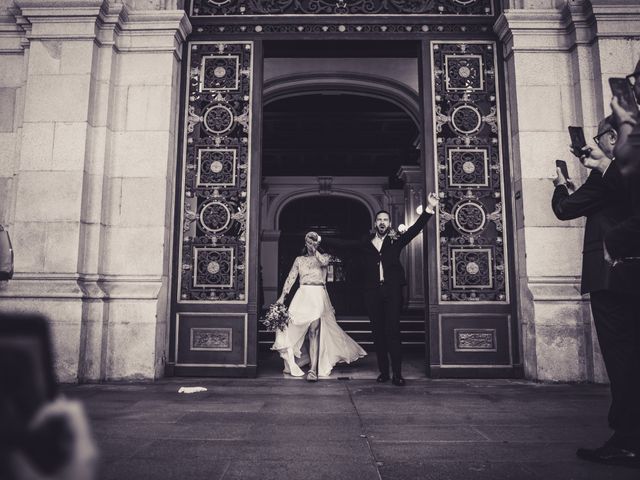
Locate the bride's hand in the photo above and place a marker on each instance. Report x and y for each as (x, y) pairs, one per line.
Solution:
(281, 299)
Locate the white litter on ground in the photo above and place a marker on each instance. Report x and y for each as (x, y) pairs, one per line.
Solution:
(191, 389)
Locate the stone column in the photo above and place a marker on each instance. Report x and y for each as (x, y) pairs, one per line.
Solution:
(138, 193)
(554, 61)
(54, 143)
(413, 197)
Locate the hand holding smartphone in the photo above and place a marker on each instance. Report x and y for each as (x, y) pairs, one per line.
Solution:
(562, 165)
(578, 142)
(623, 91)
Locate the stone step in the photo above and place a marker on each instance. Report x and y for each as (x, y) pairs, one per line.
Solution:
(412, 331)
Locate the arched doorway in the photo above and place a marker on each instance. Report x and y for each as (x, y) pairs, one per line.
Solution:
(332, 157)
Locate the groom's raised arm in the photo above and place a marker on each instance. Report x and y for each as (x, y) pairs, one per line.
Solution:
(414, 229)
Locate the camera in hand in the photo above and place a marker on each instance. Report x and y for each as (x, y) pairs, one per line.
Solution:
(562, 165)
(27, 382)
(578, 142)
(623, 91)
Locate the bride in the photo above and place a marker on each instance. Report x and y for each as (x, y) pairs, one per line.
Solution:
(311, 311)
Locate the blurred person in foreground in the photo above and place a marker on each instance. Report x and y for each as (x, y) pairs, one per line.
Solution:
(42, 434)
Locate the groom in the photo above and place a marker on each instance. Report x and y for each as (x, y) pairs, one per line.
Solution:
(383, 279)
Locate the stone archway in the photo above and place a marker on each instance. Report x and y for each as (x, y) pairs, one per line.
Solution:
(369, 85)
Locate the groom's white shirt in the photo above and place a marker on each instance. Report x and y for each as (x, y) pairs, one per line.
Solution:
(377, 242)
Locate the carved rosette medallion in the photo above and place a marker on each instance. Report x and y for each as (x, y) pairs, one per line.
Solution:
(215, 176)
(471, 241)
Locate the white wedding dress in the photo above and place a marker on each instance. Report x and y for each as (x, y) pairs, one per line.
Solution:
(311, 302)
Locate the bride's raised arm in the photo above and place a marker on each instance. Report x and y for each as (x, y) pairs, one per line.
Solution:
(323, 258)
(291, 279)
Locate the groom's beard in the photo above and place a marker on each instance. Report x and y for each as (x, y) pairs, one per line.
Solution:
(382, 232)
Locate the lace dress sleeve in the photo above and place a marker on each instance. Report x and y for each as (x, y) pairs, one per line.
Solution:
(323, 258)
(291, 278)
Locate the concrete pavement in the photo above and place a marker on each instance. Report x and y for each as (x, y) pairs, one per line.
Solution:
(282, 428)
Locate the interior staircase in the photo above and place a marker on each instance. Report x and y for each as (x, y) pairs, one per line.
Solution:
(412, 331)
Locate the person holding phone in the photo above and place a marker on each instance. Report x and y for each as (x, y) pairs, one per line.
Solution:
(623, 242)
(611, 291)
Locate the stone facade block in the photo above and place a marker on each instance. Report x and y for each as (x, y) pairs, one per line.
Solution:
(148, 108)
(69, 143)
(57, 98)
(560, 351)
(44, 57)
(536, 205)
(37, 146)
(28, 239)
(544, 109)
(77, 58)
(8, 154)
(554, 251)
(131, 340)
(11, 70)
(49, 196)
(61, 247)
(543, 69)
(7, 108)
(143, 202)
(145, 69)
(134, 250)
(140, 154)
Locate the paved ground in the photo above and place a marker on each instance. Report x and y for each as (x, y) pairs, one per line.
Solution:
(282, 428)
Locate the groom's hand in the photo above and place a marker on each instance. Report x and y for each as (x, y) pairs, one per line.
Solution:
(432, 202)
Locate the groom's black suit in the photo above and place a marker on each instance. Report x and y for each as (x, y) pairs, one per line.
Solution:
(383, 300)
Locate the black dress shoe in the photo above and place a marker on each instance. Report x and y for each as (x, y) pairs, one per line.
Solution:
(610, 455)
(382, 378)
(398, 381)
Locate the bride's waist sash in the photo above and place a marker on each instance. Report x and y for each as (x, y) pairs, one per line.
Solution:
(313, 284)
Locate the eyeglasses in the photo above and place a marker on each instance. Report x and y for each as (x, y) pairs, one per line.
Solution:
(600, 135)
(632, 78)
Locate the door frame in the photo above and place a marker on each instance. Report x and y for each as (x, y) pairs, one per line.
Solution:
(253, 27)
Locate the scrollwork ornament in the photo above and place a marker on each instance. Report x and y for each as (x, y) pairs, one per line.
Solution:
(472, 245)
(491, 119)
(248, 8)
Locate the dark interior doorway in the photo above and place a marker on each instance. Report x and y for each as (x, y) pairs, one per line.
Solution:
(339, 132)
(337, 217)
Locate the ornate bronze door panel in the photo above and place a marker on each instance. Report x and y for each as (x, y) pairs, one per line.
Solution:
(213, 272)
(471, 317)
(471, 326)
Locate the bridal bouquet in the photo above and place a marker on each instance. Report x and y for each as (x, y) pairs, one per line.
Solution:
(277, 318)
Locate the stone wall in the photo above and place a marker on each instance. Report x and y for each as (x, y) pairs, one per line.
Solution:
(86, 177)
(559, 56)
(89, 92)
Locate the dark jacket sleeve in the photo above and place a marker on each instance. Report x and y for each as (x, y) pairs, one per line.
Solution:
(414, 229)
(588, 199)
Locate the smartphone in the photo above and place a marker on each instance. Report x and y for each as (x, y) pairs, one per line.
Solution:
(27, 382)
(621, 89)
(578, 141)
(562, 165)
